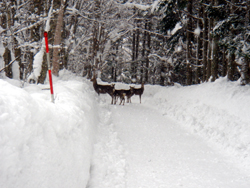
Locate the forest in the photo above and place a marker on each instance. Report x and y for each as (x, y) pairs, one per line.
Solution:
(158, 42)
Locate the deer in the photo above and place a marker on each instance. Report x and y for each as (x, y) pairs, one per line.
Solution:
(139, 91)
(122, 93)
(103, 89)
(130, 93)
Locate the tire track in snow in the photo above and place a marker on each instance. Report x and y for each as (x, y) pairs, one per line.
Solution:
(108, 168)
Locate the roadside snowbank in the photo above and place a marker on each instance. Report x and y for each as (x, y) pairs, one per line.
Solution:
(44, 144)
(218, 112)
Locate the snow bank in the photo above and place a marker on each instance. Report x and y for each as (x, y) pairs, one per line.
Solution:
(44, 144)
(218, 112)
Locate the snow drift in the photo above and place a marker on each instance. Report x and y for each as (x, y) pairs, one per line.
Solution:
(217, 111)
(44, 144)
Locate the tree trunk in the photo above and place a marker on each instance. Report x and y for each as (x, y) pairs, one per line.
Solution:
(198, 51)
(7, 60)
(148, 48)
(231, 64)
(231, 67)
(189, 45)
(210, 43)
(215, 51)
(224, 62)
(29, 61)
(215, 60)
(57, 39)
(143, 51)
(245, 64)
(10, 46)
(95, 47)
(133, 46)
(18, 53)
(137, 42)
(205, 44)
(137, 65)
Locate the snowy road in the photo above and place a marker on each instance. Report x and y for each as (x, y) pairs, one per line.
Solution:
(141, 148)
(190, 137)
(162, 154)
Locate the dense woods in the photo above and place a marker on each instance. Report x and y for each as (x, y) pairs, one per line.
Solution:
(155, 42)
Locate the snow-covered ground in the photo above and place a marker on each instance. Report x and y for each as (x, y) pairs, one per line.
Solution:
(44, 144)
(195, 136)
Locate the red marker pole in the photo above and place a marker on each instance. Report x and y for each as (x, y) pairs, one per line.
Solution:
(49, 70)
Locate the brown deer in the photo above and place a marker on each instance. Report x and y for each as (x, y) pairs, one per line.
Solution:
(121, 93)
(139, 91)
(103, 89)
(129, 94)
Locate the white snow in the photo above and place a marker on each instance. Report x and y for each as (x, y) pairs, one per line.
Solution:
(155, 5)
(38, 60)
(138, 6)
(177, 27)
(197, 31)
(47, 26)
(195, 136)
(44, 144)
(152, 6)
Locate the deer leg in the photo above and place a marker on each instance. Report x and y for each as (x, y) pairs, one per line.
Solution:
(112, 97)
(116, 99)
(122, 99)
